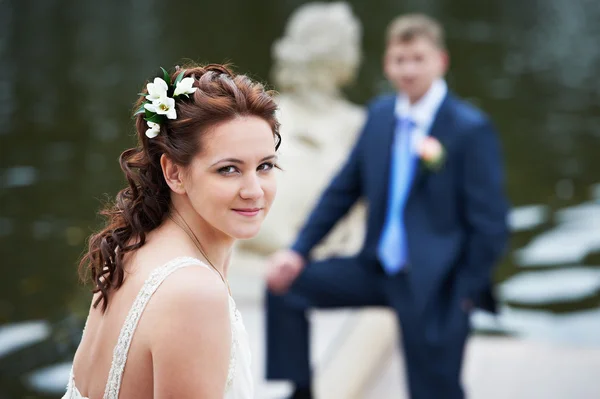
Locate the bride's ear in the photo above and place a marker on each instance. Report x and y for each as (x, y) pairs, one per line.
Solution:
(173, 174)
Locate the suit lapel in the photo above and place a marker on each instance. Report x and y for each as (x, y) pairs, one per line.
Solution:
(385, 144)
(382, 154)
(439, 128)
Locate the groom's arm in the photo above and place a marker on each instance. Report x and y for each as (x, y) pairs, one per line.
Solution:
(336, 200)
(485, 206)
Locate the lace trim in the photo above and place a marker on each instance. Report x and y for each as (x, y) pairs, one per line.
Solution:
(115, 375)
(234, 316)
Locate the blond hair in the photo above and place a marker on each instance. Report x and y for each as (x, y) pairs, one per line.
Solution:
(410, 26)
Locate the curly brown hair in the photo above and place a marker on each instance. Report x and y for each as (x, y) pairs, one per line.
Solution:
(141, 207)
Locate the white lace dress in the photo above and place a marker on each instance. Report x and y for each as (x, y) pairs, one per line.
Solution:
(239, 379)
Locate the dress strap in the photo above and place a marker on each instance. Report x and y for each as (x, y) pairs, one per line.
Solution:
(115, 375)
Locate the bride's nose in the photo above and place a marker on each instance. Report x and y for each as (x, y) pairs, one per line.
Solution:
(251, 187)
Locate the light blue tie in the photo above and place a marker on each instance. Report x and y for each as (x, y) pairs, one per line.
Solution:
(392, 248)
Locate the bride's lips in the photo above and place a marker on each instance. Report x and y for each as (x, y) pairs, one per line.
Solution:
(247, 211)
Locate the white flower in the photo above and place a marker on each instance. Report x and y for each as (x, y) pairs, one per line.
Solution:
(153, 131)
(157, 89)
(185, 87)
(163, 106)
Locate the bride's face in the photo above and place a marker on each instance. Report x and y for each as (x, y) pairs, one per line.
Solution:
(231, 183)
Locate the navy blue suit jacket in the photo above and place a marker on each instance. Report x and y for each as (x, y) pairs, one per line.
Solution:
(455, 217)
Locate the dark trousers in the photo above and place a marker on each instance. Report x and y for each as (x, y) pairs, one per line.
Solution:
(433, 340)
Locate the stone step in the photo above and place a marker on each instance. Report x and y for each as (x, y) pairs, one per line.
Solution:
(500, 368)
(495, 368)
(355, 357)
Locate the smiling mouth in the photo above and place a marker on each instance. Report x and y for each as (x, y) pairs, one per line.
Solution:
(247, 211)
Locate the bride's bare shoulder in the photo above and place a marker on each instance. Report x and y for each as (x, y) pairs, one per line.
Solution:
(190, 287)
(189, 331)
(188, 298)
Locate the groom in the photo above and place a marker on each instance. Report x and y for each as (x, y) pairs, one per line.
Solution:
(430, 168)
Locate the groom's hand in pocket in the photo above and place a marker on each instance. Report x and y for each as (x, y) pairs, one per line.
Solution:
(283, 268)
(467, 305)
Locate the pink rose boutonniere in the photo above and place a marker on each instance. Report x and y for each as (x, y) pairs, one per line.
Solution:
(431, 152)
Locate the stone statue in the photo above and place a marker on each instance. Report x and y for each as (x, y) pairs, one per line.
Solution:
(318, 54)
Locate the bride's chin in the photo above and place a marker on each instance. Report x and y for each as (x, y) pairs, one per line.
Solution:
(246, 233)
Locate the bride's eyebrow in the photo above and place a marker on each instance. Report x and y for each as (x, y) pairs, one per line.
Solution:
(228, 160)
(240, 162)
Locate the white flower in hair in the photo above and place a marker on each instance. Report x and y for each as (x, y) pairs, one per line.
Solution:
(157, 89)
(153, 131)
(163, 106)
(158, 106)
(184, 87)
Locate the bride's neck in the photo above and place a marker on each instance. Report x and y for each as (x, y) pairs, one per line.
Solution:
(217, 246)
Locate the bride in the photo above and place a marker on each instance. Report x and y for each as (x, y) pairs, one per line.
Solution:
(162, 323)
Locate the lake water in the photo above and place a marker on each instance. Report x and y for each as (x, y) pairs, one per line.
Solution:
(70, 69)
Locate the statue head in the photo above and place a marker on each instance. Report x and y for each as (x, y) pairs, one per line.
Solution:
(320, 48)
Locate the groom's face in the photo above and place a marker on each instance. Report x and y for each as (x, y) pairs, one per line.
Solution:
(413, 65)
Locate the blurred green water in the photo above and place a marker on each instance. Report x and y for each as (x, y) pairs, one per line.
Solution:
(69, 72)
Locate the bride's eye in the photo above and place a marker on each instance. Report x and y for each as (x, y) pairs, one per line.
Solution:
(228, 170)
(266, 166)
